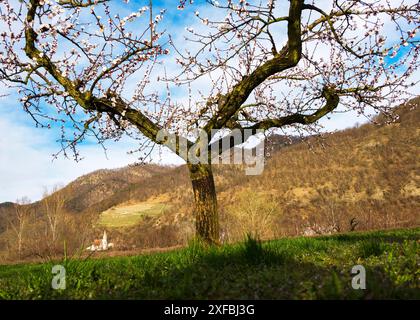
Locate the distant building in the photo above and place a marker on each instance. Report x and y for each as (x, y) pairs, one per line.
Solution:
(101, 245)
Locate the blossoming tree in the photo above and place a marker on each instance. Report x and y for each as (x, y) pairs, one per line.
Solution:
(269, 64)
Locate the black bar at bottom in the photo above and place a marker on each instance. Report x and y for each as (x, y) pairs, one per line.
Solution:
(209, 309)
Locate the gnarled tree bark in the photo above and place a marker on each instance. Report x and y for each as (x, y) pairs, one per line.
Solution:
(206, 214)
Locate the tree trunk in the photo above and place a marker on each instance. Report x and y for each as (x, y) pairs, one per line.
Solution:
(206, 215)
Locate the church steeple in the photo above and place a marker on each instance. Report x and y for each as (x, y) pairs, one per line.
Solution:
(104, 241)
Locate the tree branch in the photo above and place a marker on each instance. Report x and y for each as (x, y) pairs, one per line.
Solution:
(113, 104)
(332, 100)
(287, 58)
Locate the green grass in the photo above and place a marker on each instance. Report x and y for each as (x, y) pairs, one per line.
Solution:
(296, 268)
(129, 215)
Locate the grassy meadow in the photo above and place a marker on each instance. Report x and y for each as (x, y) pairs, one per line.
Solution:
(131, 214)
(289, 268)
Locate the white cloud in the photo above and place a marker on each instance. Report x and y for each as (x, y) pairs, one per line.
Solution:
(26, 162)
(27, 166)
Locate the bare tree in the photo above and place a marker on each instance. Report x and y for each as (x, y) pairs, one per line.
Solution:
(18, 222)
(53, 206)
(268, 67)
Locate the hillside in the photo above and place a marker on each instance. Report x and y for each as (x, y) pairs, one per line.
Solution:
(91, 189)
(370, 173)
(362, 178)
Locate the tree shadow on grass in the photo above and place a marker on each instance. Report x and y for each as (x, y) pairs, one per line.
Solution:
(251, 271)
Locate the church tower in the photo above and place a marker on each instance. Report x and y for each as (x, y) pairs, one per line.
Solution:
(104, 241)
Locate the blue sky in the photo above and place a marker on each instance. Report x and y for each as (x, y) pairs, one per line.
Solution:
(26, 162)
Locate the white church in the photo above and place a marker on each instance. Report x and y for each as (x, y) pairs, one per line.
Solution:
(101, 245)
